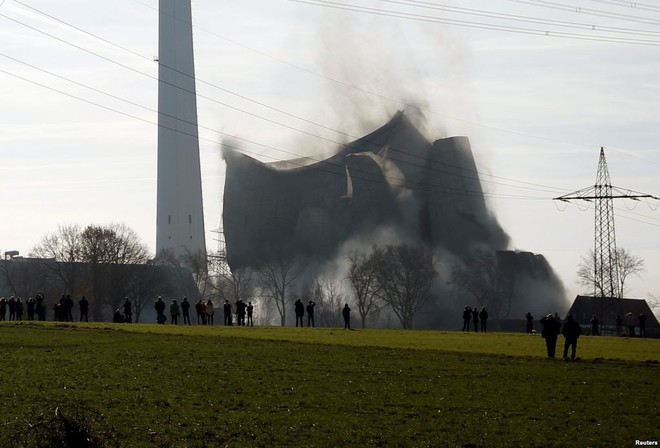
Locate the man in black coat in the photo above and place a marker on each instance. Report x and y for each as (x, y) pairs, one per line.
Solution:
(550, 332)
(571, 332)
(300, 312)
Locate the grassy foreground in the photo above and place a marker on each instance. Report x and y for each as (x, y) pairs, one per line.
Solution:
(168, 386)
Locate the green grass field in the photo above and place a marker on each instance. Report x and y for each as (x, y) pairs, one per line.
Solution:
(175, 386)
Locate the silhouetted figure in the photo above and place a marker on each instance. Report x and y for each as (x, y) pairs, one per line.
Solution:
(467, 316)
(550, 332)
(83, 304)
(160, 310)
(226, 310)
(185, 311)
(619, 325)
(68, 308)
(483, 317)
(205, 317)
(571, 332)
(3, 308)
(240, 312)
(209, 312)
(310, 313)
(128, 311)
(630, 322)
(595, 328)
(56, 312)
(475, 318)
(200, 314)
(530, 323)
(11, 304)
(346, 313)
(19, 309)
(174, 312)
(29, 304)
(250, 310)
(642, 325)
(299, 309)
(40, 307)
(117, 317)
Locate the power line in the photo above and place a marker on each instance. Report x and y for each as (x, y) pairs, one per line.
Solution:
(629, 5)
(240, 110)
(399, 103)
(594, 12)
(476, 25)
(265, 118)
(320, 163)
(520, 18)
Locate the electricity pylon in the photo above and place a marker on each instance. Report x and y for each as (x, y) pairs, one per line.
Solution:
(606, 264)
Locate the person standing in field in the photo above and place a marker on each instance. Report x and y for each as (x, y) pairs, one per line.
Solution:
(185, 311)
(594, 326)
(483, 316)
(630, 322)
(3, 308)
(310, 313)
(226, 309)
(550, 332)
(19, 309)
(642, 325)
(299, 309)
(128, 312)
(12, 308)
(83, 304)
(467, 315)
(41, 307)
(250, 310)
(475, 318)
(209, 312)
(175, 310)
(202, 307)
(29, 303)
(571, 332)
(68, 308)
(240, 312)
(530, 322)
(160, 310)
(619, 325)
(346, 313)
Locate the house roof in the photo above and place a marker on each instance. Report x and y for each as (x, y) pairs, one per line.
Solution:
(607, 309)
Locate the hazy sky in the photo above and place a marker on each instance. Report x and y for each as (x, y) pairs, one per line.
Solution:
(278, 79)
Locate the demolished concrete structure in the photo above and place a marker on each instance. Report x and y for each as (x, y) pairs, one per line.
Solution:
(425, 193)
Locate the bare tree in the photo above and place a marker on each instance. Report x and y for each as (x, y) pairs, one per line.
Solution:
(628, 263)
(481, 278)
(363, 276)
(328, 298)
(198, 264)
(62, 246)
(110, 253)
(654, 304)
(230, 284)
(276, 278)
(405, 275)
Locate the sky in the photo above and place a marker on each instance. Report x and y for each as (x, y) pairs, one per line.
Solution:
(538, 87)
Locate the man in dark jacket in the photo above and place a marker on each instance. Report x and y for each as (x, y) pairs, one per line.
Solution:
(160, 310)
(300, 312)
(346, 313)
(550, 332)
(571, 332)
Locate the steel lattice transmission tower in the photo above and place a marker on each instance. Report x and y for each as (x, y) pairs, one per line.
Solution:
(607, 281)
